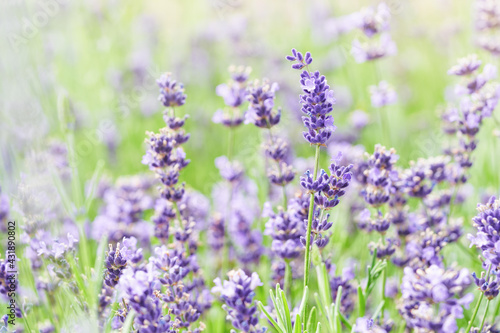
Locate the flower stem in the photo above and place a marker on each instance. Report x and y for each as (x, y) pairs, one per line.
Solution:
(497, 310)
(307, 259)
(278, 165)
(475, 313)
(484, 316)
(288, 280)
(230, 143)
(384, 277)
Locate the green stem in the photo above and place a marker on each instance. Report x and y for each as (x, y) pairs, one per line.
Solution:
(278, 165)
(288, 280)
(384, 275)
(285, 203)
(230, 143)
(384, 278)
(484, 316)
(471, 322)
(307, 259)
(474, 314)
(497, 310)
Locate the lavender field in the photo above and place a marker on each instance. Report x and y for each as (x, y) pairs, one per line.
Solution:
(250, 166)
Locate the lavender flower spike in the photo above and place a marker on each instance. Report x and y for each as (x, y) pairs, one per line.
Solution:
(171, 92)
(238, 293)
(317, 102)
(487, 223)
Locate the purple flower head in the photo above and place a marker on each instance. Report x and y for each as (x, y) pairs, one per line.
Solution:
(349, 293)
(379, 175)
(487, 15)
(230, 171)
(373, 21)
(382, 94)
(473, 84)
(164, 150)
(4, 207)
(164, 213)
(312, 186)
(379, 224)
(486, 239)
(359, 119)
(234, 93)
(367, 325)
(433, 298)
(282, 174)
(317, 102)
(228, 119)
(373, 49)
(276, 149)
(261, 104)
(237, 293)
(171, 92)
(240, 74)
(247, 241)
(384, 248)
(299, 60)
(216, 232)
(490, 286)
(465, 66)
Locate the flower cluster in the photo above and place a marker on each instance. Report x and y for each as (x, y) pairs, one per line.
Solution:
(317, 101)
(237, 293)
(261, 111)
(344, 280)
(379, 176)
(433, 298)
(382, 94)
(285, 228)
(373, 22)
(283, 173)
(171, 92)
(489, 285)
(124, 207)
(116, 261)
(328, 189)
(164, 281)
(234, 94)
(479, 96)
(486, 239)
(488, 25)
(235, 202)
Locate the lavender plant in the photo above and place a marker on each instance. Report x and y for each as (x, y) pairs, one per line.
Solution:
(97, 246)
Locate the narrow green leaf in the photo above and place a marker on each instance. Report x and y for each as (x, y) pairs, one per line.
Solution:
(336, 316)
(287, 311)
(378, 310)
(345, 321)
(94, 182)
(318, 329)
(303, 304)
(129, 322)
(361, 302)
(298, 324)
(312, 319)
(269, 317)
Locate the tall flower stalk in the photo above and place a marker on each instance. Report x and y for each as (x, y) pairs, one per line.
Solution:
(317, 103)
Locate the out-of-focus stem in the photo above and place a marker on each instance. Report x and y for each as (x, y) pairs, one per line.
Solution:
(497, 310)
(271, 137)
(484, 316)
(288, 280)
(384, 278)
(307, 259)
(230, 142)
(474, 314)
